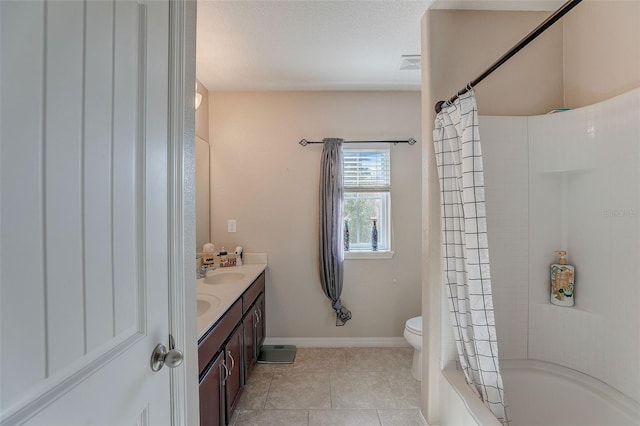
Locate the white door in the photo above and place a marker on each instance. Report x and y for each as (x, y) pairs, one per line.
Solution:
(84, 230)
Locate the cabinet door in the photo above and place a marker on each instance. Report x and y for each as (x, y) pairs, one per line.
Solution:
(233, 360)
(250, 354)
(211, 396)
(262, 324)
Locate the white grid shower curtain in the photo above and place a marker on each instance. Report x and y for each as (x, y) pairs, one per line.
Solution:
(467, 276)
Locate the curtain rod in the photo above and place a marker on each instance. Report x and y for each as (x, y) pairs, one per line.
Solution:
(410, 141)
(515, 49)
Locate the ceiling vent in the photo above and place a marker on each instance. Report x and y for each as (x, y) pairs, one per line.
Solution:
(410, 62)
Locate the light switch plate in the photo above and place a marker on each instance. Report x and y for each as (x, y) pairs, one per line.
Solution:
(231, 225)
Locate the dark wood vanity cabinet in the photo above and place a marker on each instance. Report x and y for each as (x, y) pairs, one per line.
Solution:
(233, 360)
(261, 327)
(250, 356)
(212, 399)
(226, 353)
(253, 324)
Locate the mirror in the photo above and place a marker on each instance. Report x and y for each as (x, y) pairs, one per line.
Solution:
(203, 221)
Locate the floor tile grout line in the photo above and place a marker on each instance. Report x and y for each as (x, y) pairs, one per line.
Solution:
(379, 418)
(264, 404)
(330, 387)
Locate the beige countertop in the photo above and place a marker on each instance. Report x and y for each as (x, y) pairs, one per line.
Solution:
(223, 286)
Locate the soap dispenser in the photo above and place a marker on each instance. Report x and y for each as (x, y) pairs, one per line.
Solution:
(224, 259)
(562, 281)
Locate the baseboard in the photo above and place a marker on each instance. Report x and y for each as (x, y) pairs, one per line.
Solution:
(423, 421)
(339, 342)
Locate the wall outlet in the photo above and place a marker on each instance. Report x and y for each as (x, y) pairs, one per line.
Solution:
(231, 225)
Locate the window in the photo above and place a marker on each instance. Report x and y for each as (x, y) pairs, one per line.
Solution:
(367, 188)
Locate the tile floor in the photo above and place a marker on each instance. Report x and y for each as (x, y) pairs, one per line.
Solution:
(342, 386)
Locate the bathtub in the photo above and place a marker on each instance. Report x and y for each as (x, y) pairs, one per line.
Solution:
(540, 393)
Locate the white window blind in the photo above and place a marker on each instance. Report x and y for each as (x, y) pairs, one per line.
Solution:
(367, 170)
(367, 191)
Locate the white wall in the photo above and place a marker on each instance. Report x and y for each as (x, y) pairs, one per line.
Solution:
(590, 158)
(267, 182)
(568, 181)
(505, 154)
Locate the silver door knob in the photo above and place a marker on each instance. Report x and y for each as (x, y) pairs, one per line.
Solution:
(160, 356)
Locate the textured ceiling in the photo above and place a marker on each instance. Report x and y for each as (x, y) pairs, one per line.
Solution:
(316, 44)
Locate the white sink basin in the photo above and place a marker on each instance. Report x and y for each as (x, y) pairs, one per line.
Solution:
(207, 302)
(223, 277)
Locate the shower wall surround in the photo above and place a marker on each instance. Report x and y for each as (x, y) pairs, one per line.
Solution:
(505, 151)
(596, 164)
(569, 181)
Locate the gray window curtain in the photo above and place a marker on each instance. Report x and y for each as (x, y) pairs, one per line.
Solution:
(331, 244)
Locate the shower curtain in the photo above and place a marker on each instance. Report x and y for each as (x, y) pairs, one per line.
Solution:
(331, 243)
(467, 276)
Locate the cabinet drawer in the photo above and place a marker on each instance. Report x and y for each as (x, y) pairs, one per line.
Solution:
(251, 294)
(216, 337)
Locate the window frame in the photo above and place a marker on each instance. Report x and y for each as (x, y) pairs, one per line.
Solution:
(385, 221)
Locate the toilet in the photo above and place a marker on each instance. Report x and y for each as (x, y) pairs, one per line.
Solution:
(413, 334)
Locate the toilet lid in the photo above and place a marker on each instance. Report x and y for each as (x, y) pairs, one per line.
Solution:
(415, 325)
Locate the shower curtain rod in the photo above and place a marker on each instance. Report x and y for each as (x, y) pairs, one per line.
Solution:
(410, 141)
(515, 49)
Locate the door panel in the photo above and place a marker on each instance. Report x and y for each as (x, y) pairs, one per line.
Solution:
(97, 200)
(62, 185)
(84, 247)
(126, 163)
(21, 141)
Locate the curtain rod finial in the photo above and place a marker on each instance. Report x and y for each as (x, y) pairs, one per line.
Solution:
(411, 141)
(303, 142)
(439, 106)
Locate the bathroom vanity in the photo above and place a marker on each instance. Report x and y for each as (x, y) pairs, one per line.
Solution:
(231, 329)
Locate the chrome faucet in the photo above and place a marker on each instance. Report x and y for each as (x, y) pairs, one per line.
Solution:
(201, 272)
